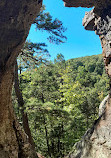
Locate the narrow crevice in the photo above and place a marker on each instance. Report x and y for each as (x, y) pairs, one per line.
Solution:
(109, 60)
(25, 149)
(39, 1)
(18, 140)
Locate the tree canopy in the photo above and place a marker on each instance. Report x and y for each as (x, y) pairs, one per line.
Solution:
(62, 100)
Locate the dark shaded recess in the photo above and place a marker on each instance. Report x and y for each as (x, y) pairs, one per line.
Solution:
(79, 3)
(10, 39)
(39, 1)
(90, 25)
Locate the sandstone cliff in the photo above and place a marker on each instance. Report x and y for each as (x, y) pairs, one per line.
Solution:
(96, 143)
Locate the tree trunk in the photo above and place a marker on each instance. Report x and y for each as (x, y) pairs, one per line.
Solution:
(16, 19)
(47, 139)
(13, 142)
(21, 105)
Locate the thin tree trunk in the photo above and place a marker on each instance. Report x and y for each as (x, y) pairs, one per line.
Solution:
(87, 122)
(13, 141)
(46, 131)
(47, 139)
(58, 145)
(63, 137)
(21, 105)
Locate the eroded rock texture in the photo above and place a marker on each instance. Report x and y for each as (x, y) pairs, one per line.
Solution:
(100, 22)
(96, 143)
(16, 17)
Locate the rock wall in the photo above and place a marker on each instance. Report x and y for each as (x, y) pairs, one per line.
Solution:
(96, 143)
(16, 17)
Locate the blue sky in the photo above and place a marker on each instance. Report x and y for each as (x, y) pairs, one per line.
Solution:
(79, 43)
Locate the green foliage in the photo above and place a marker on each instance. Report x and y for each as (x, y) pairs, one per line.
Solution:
(62, 100)
(45, 22)
(32, 55)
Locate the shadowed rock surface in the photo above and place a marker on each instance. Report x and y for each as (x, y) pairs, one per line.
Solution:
(16, 17)
(96, 142)
(79, 3)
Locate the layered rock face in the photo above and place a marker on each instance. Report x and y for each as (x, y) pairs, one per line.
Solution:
(96, 143)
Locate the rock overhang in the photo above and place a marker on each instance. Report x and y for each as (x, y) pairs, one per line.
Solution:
(87, 3)
(79, 3)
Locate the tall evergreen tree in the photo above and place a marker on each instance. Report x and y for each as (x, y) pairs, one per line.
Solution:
(33, 55)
